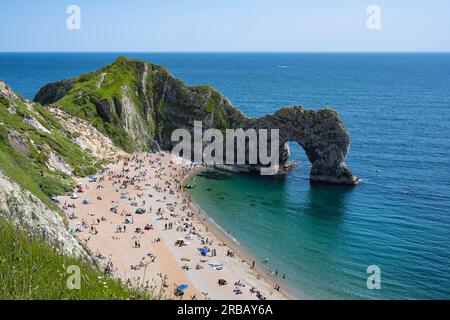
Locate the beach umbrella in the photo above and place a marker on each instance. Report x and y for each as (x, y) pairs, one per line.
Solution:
(183, 286)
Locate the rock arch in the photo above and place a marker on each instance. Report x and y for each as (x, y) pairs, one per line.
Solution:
(322, 136)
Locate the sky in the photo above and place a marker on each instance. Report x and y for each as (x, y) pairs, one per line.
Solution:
(225, 26)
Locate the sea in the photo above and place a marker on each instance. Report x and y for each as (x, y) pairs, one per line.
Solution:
(386, 238)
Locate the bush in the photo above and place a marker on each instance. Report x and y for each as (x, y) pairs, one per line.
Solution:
(53, 186)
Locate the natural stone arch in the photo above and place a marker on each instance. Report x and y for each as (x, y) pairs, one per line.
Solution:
(321, 134)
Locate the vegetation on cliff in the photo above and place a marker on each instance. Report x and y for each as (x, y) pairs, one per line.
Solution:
(31, 269)
(136, 103)
(31, 139)
(39, 156)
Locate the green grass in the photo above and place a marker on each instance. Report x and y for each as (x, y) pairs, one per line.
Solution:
(33, 176)
(84, 97)
(30, 170)
(78, 101)
(31, 269)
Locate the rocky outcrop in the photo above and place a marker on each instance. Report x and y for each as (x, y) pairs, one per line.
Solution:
(54, 91)
(33, 122)
(18, 143)
(322, 136)
(150, 103)
(25, 211)
(5, 91)
(56, 162)
(87, 137)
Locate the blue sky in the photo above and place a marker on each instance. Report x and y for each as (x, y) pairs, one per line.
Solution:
(225, 25)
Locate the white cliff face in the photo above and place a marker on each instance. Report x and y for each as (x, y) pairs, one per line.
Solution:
(132, 120)
(89, 138)
(57, 163)
(5, 91)
(33, 122)
(25, 211)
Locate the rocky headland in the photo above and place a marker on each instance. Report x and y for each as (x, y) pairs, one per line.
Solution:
(138, 105)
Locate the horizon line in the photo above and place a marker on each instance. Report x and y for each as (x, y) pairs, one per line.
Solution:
(229, 52)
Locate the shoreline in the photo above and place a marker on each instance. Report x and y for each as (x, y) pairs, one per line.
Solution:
(227, 238)
(154, 182)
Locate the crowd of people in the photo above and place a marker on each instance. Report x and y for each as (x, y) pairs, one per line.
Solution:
(148, 185)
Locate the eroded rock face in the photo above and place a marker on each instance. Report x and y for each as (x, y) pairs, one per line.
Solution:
(321, 134)
(87, 137)
(5, 91)
(54, 91)
(24, 210)
(18, 143)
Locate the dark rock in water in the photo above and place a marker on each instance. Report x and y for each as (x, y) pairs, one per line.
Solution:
(213, 175)
(208, 189)
(156, 103)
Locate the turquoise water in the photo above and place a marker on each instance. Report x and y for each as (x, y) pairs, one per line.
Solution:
(397, 109)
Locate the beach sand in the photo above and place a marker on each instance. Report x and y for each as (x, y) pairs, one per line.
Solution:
(153, 182)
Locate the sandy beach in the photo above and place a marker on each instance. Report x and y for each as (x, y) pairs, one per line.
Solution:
(137, 220)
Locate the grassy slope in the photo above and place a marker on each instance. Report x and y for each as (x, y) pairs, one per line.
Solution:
(30, 170)
(30, 269)
(78, 100)
(126, 71)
